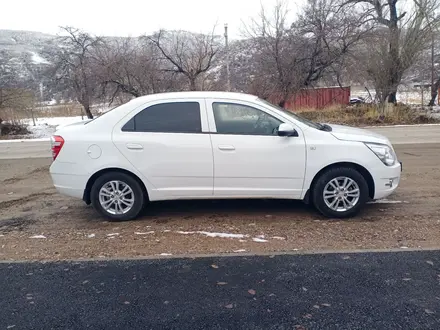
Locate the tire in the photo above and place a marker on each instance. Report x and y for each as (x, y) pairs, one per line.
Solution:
(118, 211)
(344, 210)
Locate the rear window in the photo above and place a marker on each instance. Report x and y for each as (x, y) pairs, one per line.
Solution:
(176, 117)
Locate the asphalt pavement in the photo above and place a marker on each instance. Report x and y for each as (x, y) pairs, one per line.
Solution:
(399, 290)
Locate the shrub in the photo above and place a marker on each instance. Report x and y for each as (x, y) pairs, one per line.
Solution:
(7, 129)
(365, 115)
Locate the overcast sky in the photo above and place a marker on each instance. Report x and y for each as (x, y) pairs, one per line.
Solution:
(132, 17)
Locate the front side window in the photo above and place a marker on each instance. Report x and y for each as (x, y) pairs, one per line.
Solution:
(177, 117)
(241, 119)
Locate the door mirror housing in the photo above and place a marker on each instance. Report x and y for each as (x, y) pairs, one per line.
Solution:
(287, 130)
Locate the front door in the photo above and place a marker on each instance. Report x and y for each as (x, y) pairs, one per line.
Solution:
(250, 159)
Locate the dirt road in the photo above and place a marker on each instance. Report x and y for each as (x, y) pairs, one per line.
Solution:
(36, 223)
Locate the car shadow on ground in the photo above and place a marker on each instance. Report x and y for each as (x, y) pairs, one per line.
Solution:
(166, 211)
(227, 207)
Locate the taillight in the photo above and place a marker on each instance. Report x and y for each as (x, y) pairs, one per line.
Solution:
(57, 143)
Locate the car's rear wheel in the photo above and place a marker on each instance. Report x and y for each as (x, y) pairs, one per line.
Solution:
(117, 196)
(340, 192)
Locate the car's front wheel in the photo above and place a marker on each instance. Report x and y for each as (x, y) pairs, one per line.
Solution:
(117, 196)
(340, 192)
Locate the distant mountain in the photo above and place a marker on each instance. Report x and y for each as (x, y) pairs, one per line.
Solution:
(22, 44)
(26, 52)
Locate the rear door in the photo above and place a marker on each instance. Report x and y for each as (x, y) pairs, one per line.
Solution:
(167, 142)
(250, 159)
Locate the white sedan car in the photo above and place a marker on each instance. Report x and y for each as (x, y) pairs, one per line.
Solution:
(215, 145)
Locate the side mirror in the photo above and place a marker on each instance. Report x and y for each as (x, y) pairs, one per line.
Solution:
(287, 130)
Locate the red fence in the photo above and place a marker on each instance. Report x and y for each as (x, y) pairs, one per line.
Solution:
(319, 98)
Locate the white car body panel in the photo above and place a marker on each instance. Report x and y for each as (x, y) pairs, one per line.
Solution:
(347, 133)
(211, 165)
(281, 161)
(177, 165)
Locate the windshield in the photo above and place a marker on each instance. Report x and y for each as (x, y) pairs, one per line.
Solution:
(293, 115)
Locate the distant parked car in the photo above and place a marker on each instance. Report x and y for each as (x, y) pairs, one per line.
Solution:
(214, 145)
(357, 100)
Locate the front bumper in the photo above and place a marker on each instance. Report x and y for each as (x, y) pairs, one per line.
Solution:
(387, 180)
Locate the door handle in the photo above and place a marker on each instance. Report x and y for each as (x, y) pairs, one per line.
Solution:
(226, 147)
(134, 146)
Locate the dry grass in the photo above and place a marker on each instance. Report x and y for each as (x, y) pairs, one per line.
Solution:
(59, 110)
(368, 115)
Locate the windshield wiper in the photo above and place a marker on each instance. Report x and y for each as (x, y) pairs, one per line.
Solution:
(325, 127)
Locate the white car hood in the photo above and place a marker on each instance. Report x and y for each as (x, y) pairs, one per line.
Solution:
(347, 133)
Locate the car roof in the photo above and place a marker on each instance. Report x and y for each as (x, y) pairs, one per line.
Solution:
(205, 94)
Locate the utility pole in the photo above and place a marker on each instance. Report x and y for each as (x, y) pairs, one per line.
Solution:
(228, 79)
(433, 91)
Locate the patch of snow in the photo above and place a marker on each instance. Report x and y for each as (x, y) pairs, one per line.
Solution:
(279, 237)
(259, 240)
(185, 232)
(222, 235)
(113, 235)
(209, 234)
(166, 254)
(238, 251)
(386, 201)
(46, 126)
(51, 102)
(91, 235)
(38, 236)
(37, 59)
(146, 233)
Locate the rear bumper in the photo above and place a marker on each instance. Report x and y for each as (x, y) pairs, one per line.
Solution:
(69, 185)
(69, 179)
(387, 180)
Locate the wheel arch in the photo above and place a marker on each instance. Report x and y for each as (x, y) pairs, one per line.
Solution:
(95, 176)
(362, 170)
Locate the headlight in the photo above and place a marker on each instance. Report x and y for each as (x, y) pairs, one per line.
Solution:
(384, 152)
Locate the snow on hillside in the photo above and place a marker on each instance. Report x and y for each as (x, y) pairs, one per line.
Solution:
(37, 59)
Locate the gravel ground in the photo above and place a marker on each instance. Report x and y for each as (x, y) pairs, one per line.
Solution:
(38, 224)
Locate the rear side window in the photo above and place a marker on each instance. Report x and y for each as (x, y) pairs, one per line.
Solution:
(177, 117)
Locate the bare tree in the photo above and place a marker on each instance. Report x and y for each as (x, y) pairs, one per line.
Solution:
(187, 54)
(400, 37)
(128, 65)
(14, 89)
(294, 56)
(74, 65)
